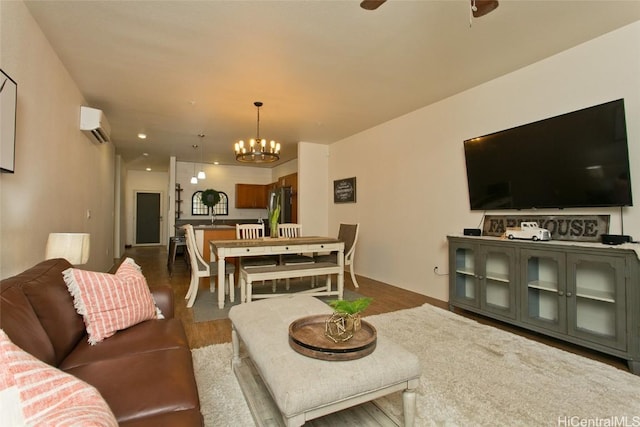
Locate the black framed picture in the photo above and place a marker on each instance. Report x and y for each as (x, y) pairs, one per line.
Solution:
(8, 102)
(344, 190)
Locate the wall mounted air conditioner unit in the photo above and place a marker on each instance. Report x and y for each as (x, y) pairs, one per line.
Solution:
(94, 123)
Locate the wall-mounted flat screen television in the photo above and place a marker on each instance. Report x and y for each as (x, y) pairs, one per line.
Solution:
(578, 159)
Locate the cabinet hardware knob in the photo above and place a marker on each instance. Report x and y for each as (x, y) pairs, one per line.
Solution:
(480, 277)
(561, 293)
(568, 294)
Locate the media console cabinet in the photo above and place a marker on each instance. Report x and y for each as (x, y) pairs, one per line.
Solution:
(584, 293)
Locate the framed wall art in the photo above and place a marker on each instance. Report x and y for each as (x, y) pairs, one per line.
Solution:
(344, 190)
(8, 100)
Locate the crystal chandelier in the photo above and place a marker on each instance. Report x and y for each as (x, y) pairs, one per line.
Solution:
(258, 150)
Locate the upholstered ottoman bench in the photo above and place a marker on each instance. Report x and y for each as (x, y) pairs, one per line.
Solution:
(304, 388)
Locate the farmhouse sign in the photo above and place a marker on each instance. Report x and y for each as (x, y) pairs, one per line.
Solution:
(585, 228)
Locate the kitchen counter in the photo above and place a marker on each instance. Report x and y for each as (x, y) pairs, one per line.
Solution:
(223, 229)
(205, 233)
(220, 221)
(214, 227)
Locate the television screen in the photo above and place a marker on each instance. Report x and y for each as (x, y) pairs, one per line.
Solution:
(578, 159)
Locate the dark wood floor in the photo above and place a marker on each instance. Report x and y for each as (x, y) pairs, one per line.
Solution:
(386, 298)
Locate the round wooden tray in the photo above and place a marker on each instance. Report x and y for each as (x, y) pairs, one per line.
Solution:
(306, 336)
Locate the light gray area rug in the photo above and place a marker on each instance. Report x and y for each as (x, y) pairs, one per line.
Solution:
(205, 308)
(472, 374)
(221, 401)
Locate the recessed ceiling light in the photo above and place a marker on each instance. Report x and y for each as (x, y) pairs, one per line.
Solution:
(145, 154)
(142, 135)
(148, 169)
(216, 163)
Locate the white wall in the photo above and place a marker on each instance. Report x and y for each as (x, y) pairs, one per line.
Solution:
(313, 189)
(151, 182)
(221, 178)
(60, 174)
(284, 169)
(411, 176)
(171, 198)
(119, 231)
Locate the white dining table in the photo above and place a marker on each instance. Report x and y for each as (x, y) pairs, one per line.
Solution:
(221, 249)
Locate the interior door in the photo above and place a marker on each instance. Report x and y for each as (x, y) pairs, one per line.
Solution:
(148, 218)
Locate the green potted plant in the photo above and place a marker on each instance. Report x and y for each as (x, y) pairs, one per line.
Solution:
(345, 320)
(273, 212)
(210, 198)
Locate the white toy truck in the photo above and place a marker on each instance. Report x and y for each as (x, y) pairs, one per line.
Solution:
(528, 231)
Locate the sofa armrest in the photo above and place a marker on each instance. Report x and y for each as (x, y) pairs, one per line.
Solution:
(163, 296)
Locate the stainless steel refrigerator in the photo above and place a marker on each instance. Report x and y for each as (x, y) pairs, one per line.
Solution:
(285, 205)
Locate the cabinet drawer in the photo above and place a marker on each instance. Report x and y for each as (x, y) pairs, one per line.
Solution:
(331, 247)
(246, 251)
(290, 249)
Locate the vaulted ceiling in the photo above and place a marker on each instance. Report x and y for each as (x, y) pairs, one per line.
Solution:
(323, 69)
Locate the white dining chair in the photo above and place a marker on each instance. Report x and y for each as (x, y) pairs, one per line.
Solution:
(290, 230)
(249, 231)
(200, 268)
(255, 231)
(348, 233)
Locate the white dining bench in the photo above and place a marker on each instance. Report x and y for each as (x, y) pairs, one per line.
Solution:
(257, 274)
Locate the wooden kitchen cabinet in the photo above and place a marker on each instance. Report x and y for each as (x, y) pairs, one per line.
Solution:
(251, 196)
(272, 187)
(289, 181)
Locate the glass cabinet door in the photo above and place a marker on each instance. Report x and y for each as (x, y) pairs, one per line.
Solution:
(543, 298)
(465, 286)
(497, 281)
(596, 310)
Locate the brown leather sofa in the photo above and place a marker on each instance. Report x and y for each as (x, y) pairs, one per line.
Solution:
(145, 373)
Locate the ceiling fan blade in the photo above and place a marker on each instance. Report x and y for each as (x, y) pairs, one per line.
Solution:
(483, 7)
(371, 4)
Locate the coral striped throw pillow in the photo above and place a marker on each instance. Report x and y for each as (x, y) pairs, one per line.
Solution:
(33, 393)
(110, 302)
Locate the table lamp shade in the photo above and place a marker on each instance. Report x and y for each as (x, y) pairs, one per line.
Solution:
(74, 247)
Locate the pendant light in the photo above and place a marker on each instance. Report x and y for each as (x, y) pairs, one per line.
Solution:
(194, 179)
(201, 174)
